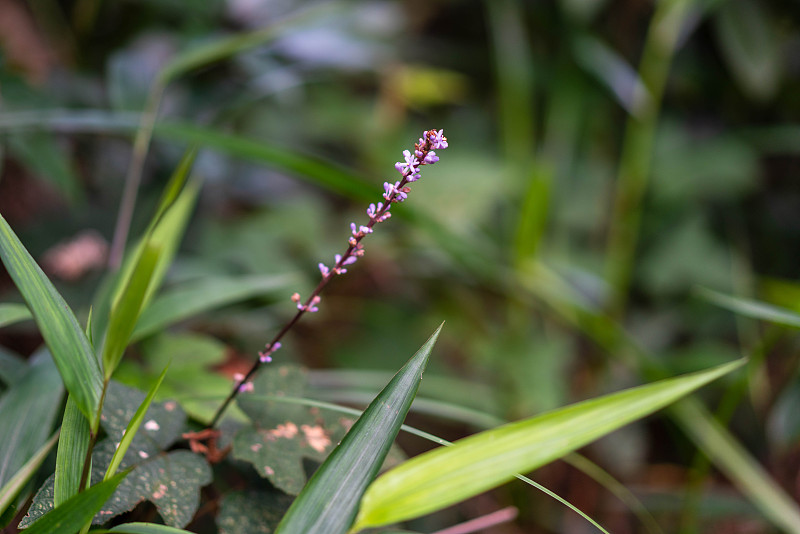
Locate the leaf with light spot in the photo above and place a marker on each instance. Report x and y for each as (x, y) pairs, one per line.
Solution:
(171, 481)
(282, 433)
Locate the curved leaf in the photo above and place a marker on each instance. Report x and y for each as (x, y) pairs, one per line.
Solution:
(64, 337)
(329, 501)
(441, 477)
(77, 511)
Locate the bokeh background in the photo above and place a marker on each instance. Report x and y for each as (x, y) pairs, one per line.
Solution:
(614, 167)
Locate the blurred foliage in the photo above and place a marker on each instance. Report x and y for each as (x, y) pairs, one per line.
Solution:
(509, 238)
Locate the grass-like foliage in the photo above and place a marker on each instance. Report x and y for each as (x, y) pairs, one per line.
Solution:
(202, 371)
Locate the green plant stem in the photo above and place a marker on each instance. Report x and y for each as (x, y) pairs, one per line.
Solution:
(133, 178)
(637, 149)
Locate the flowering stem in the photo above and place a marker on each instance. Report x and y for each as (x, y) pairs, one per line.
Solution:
(423, 155)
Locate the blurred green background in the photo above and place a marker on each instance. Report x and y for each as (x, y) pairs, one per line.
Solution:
(609, 163)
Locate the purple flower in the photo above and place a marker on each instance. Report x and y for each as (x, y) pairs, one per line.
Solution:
(431, 158)
(388, 189)
(410, 165)
(438, 141)
(323, 269)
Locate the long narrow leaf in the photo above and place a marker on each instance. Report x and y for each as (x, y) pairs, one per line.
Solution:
(733, 460)
(28, 413)
(24, 474)
(127, 307)
(13, 313)
(144, 528)
(71, 351)
(192, 298)
(164, 232)
(77, 511)
(329, 502)
(752, 308)
(73, 445)
(444, 476)
(133, 427)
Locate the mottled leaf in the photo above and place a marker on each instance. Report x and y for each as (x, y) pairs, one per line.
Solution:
(171, 481)
(283, 434)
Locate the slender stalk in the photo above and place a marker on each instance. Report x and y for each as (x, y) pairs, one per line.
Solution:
(637, 149)
(133, 178)
(423, 155)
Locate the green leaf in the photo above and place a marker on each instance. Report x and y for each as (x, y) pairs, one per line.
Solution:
(73, 447)
(28, 412)
(282, 435)
(445, 476)
(192, 298)
(13, 313)
(733, 459)
(42, 154)
(144, 528)
(752, 308)
(71, 351)
(747, 39)
(171, 480)
(251, 512)
(24, 474)
(127, 306)
(133, 427)
(77, 511)
(329, 502)
(12, 367)
(164, 233)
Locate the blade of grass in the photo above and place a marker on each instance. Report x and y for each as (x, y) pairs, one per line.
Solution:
(637, 149)
(329, 501)
(77, 511)
(752, 308)
(15, 484)
(127, 307)
(733, 460)
(72, 456)
(445, 476)
(189, 299)
(13, 313)
(71, 351)
(133, 427)
(28, 412)
(144, 528)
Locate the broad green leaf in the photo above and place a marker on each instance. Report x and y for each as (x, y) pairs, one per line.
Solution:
(251, 512)
(753, 308)
(191, 298)
(71, 351)
(133, 428)
(329, 502)
(13, 313)
(24, 474)
(77, 511)
(73, 445)
(445, 476)
(127, 306)
(28, 412)
(282, 435)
